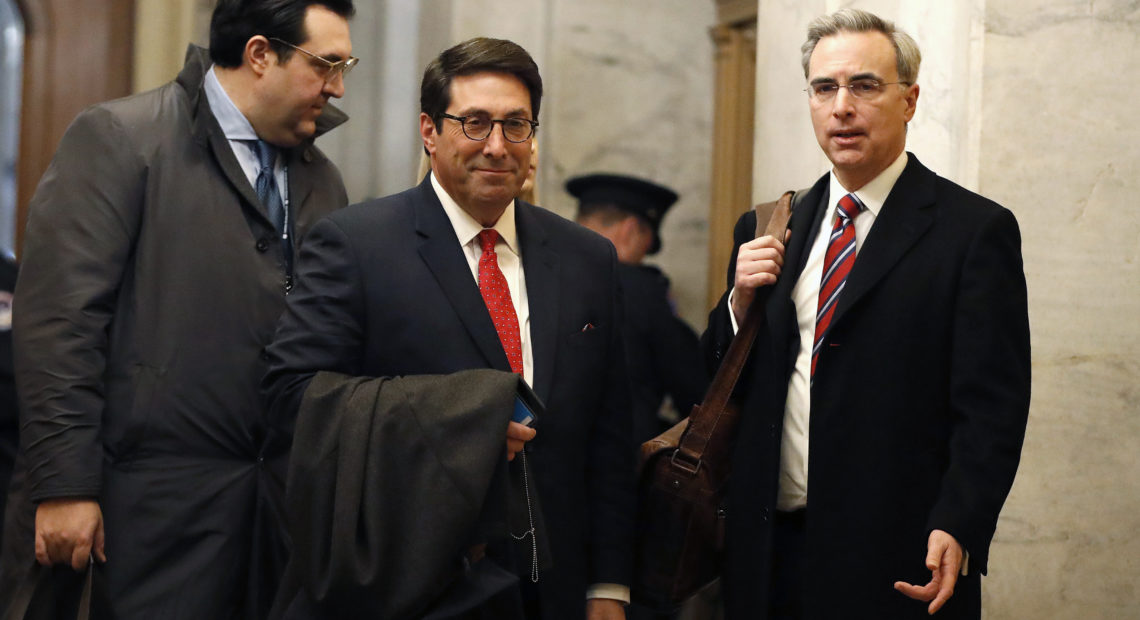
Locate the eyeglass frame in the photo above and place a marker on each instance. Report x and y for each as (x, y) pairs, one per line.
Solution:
(502, 127)
(339, 67)
(810, 90)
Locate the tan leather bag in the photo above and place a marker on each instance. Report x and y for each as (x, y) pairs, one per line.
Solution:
(679, 538)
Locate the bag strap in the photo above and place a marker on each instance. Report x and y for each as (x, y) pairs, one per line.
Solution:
(771, 219)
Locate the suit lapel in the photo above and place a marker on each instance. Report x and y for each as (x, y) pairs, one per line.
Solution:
(541, 267)
(440, 250)
(903, 220)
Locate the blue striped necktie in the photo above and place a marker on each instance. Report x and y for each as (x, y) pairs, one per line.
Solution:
(837, 264)
(267, 193)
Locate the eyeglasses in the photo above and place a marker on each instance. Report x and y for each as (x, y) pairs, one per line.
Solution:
(479, 127)
(863, 88)
(340, 67)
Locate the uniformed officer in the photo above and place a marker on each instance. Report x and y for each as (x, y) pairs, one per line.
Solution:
(662, 350)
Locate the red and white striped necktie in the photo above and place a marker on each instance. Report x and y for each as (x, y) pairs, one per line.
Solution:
(837, 264)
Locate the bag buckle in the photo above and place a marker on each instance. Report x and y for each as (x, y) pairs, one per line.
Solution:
(684, 464)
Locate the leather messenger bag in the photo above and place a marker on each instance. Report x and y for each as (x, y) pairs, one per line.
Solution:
(679, 537)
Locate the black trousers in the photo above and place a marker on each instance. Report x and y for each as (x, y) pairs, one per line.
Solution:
(787, 588)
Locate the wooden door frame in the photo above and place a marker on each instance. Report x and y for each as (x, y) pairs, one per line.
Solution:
(76, 53)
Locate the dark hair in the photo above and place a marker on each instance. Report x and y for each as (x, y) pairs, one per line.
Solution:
(477, 56)
(235, 22)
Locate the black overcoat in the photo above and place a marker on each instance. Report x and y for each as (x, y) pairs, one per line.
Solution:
(918, 406)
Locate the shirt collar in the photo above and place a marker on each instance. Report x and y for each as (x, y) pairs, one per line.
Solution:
(234, 124)
(467, 228)
(873, 194)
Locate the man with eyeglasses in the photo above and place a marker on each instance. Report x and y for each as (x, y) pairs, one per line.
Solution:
(453, 275)
(158, 255)
(885, 402)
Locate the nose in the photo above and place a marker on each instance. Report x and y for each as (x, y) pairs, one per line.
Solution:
(334, 85)
(844, 103)
(495, 145)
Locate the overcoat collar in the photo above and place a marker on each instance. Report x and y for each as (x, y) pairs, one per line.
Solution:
(904, 218)
(207, 132)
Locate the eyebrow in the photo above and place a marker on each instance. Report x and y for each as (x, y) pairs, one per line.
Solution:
(866, 75)
(516, 113)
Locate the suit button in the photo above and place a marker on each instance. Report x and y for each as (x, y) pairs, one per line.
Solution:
(288, 283)
(262, 245)
(764, 513)
(264, 355)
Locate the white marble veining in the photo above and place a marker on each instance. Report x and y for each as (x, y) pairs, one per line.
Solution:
(1061, 148)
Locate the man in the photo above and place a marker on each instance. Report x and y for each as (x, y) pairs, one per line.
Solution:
(157, 259)
(888, 391)
(663, 352)
(401, 286)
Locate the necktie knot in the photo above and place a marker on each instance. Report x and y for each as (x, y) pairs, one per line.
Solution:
(488, 237)
(849, 207)
(266, 154)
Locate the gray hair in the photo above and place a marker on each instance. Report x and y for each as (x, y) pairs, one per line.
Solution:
(907, 56)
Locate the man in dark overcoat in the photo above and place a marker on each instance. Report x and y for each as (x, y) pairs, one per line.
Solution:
(157, 259)
(457, 274)
(886, 397)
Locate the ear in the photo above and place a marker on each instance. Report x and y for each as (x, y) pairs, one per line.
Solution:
(259, 54)
(911, 101)
(428, 132)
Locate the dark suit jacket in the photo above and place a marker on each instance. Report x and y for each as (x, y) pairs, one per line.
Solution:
(918, 407)
(384, 290)
(150, 284)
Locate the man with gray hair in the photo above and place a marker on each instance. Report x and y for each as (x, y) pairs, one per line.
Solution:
(885, 403)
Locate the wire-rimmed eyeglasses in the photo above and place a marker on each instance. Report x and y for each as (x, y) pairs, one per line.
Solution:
(334, 68)
(862, 88)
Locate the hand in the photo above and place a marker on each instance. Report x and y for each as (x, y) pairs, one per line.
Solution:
(67, 530)
(758, 263)
(517, 435)
(604, 609)
(944, 559)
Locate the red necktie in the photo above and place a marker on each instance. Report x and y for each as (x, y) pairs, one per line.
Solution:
(837, 264)
(497, 296)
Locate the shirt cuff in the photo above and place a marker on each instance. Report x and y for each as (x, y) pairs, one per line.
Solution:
(731, 314)
(965, 562)
(613, 591)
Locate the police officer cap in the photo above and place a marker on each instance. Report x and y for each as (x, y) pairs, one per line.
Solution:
(645, 199)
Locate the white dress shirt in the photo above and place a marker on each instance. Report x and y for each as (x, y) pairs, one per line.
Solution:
(510, 261)
(797, 410)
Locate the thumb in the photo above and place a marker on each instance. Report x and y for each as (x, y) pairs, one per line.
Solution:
(99, 543)
(934, 551)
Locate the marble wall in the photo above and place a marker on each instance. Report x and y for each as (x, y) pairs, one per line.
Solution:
(1029, 103)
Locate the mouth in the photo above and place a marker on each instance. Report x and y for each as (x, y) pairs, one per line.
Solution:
(847, 137)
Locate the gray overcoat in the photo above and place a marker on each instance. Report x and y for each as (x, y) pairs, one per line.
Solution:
(151, 284)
